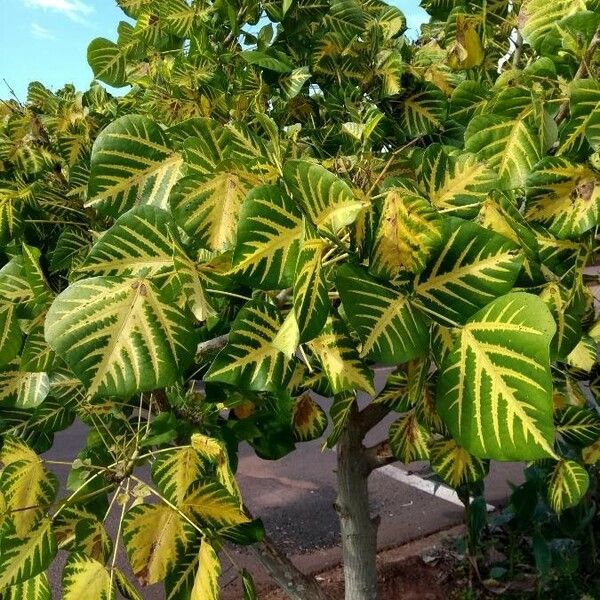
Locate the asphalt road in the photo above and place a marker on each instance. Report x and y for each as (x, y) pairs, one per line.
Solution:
(295, 496)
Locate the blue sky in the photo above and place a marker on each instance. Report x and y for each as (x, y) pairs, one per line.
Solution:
(46, 40)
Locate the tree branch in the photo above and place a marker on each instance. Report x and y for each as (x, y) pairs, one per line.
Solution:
(370, 415)
(582, 71)
(379, 455)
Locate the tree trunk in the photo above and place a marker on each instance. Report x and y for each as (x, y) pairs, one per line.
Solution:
(358, 529)
(296, 584)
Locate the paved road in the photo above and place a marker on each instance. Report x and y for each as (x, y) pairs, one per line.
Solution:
(295, 496)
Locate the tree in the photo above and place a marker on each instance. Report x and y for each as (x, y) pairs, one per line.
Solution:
(288, 194)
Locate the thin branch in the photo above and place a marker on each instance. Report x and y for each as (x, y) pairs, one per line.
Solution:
(210, 346)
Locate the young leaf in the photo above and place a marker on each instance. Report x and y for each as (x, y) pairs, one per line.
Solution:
(567, 485)
(327, 200)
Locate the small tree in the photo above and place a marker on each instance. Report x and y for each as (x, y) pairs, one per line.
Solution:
(289, 194)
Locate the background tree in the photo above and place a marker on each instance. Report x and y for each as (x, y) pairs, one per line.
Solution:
(289, 194)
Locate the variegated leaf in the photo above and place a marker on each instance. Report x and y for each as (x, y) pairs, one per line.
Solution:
(85, 577)
(207, 206)
(454, 465)
(22, 558)
(582, 129)
(391, 328)
(10, 333)
(567, 316)
(119, 335)
(339, 359)
(154, 535)
(578, 426)
(107, 62)
(175, 471)
(309, 419)
(567, 485)
(494, 391)
(564, 196)
(311, 300)
(22, 389)
(268, 239)
(132, 163)
(327, 200)
(251, 360)
(509, 145)
(473, 267)
(212, 504)
(409, 439)
(456, 185)
(408, 231)
(36, 588)
(206, 582)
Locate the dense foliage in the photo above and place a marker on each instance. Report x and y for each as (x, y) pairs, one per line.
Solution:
(288, 194)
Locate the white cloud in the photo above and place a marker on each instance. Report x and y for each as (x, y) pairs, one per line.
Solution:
(41, 32)
(76, 10)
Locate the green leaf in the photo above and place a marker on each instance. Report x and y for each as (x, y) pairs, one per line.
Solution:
(268, 239)
(326, 199)
(409, 439)
(423, 111)
(175, 471)
(207, 206)
(457, 184)
(494, 391)
(392, 330)
(408, 231)
(473, 267)
(132, 163)
(509, 145)
(36, 588)
(22, 558)
(309, 419)
(28, 489)
(293, 83)
(141, 243)
(92, 539)
(567, 485)
(567, 317)
(339, 359)
(583, 126)
(212, 504)
(578, 426)
(84, 577)
(454, 465)
(563, 196)
(311, 299)
(21, 388)
(250, 360)
(107, 62)
(10, 333)
(154, 535)
(537, 18)
(119, 335)
(206, 582)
